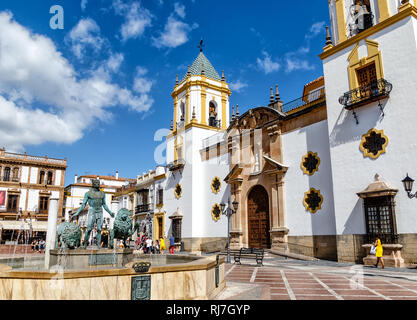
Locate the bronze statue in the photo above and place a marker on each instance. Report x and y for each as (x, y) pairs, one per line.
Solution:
(96, 200)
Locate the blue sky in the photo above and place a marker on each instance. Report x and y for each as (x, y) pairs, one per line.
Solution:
(97, 91)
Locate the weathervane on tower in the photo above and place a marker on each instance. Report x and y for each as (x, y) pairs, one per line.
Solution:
(201, 46)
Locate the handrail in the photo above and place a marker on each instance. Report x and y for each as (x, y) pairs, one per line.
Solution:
(310, 98)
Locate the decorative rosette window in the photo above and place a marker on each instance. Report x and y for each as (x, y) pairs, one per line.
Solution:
(216, 212)
(313, 200)
(216, 185)
(310, 163)
(178, 191)
(373, 143)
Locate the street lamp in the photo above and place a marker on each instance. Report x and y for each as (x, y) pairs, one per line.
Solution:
(408, 186)
(228, 212)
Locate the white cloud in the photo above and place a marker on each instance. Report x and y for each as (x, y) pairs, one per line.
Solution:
(137, 19)
(86, 34)
(237, 85)
(41, 97)
(315, 30)
(179, 9)
(114, 61)
(295, 63)
(266, 64)
(175, 32)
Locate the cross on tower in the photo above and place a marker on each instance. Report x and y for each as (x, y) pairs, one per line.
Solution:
(201, 46)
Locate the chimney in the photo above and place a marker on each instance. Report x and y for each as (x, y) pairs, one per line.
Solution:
(117, 174)
(276, 102)
(75, 178)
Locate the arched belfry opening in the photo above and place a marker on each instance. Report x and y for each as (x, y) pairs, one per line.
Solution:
(258, 218)
(213, 114)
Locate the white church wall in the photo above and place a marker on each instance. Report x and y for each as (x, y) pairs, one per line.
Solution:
(351, 171)
(296, 144)
(24, 177)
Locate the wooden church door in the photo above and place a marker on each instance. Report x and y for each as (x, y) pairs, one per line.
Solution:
(258, 218)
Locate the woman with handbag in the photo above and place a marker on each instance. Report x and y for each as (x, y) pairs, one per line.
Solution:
(378, 252)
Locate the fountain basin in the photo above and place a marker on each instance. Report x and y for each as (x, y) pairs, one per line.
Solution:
(193, 278)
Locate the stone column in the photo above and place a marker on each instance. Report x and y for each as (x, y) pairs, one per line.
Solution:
(279, 231)
(51, 233)
(236, 228)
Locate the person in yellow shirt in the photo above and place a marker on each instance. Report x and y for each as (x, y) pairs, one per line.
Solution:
(379, 252)
(162, 242)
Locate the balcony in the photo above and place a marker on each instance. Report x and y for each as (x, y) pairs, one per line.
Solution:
(215, 123)
(374, 91)
(143, 208)
(313, 98)
(176, 165)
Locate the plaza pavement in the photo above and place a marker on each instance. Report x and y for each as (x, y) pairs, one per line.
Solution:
(289, 279)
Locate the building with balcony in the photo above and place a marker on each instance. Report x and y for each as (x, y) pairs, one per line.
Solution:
(74, 195)
(27, 183)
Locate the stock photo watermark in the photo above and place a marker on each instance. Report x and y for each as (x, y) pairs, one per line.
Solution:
(57, 20)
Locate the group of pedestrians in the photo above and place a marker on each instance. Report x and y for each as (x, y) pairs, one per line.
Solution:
(148, 246)
(38, 245)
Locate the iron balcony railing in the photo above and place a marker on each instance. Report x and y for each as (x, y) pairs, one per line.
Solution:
(143, 208)
(310, 99)
(176, 165)
(215, 123)
(368, 93)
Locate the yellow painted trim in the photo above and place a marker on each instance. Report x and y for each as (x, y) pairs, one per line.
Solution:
(383, 10)
(201, 83)
(408, 11)
(304, 168)
(341, 20)
(187, 106)
(160, 177)
(203, 106)
(374, 56)
(307, 206)
(384, 147)
(224, 110)
(175, 191)
(175, 112)
(212, 212)
(155, 223)
(212, 187)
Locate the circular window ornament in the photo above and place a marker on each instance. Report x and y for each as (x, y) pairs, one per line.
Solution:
(313, 200)
(374, 143)
(216, 212)
(216, 185)
(178, 191)
(310, 163)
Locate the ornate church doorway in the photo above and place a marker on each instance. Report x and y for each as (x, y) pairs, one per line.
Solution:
(258, 218)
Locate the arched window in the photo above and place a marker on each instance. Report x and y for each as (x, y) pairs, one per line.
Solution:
(15, 176)
(6, 174)
(182, 111)
(41, 177)
(213, 122)
(49, 179)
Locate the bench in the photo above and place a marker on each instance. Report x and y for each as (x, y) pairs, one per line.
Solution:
(250, 253)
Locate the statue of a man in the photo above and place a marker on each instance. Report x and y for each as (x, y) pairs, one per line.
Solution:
(96, 200)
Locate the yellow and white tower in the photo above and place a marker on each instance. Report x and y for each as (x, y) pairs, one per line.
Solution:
(200, 119)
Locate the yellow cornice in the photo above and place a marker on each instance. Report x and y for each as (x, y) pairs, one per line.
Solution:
(160, 177)
(194, 125)
(406, 12)
(222, 87)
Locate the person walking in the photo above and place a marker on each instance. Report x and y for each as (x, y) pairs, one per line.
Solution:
(149, 245)
(162, 245)
(171, 244)
(379, 252)
(156, 248)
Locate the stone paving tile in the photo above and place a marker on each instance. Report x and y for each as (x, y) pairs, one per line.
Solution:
(321, 297)
(361, 298)
(307, 284)
(392, 293)
(354, 292)
(280, 297)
